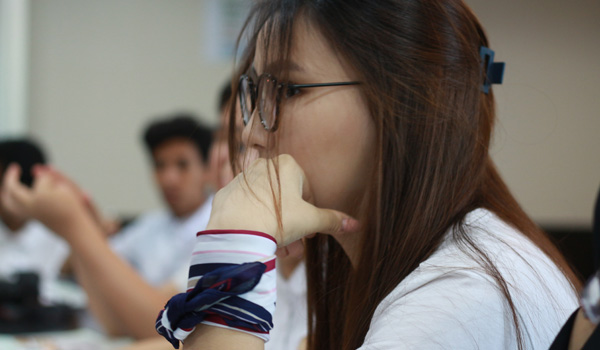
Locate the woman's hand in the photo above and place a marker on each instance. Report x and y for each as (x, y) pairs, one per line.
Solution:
(249, 203)
(53, 201)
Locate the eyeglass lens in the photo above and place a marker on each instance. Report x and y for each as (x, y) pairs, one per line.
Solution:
(246, 98)
(267, 93)
(268, 101)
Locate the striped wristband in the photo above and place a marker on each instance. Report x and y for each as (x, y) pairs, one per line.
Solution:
(231, 285)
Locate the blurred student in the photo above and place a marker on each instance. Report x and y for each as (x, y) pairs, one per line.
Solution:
(123, 298)
(158, 244)
(25, 244)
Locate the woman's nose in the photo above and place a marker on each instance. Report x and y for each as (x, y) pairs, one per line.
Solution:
(254, 134)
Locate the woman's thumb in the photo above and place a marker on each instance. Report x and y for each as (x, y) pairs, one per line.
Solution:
(333, 221)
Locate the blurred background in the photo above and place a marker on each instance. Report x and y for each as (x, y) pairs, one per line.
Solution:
(84, 77)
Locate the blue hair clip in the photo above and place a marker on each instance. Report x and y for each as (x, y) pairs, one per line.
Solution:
(494, 71)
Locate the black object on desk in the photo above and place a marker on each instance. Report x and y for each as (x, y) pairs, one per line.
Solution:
(22, 312)
(563, 339)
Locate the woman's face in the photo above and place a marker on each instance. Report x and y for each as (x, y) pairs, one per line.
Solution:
(328, 130)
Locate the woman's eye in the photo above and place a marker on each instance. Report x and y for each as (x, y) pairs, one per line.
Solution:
(292, 91)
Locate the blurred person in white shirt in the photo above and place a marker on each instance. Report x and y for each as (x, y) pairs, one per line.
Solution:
(25, 244)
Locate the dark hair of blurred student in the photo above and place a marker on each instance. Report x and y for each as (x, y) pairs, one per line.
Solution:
(24, 152)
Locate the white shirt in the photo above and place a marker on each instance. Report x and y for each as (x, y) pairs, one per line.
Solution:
(289, 319)
(32, 249)
(159, 245)
(449, 302)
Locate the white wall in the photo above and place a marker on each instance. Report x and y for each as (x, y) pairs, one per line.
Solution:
(14, 36)
(99, 69)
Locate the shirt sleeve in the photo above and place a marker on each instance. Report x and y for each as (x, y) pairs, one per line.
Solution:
(125, 242)
(456, 310)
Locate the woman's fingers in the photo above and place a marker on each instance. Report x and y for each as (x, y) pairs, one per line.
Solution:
(297, 198)
(252, 201)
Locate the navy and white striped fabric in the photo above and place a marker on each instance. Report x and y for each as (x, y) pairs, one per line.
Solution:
(231, 285)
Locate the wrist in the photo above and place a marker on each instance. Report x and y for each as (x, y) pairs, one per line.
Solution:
(215, 223)
(230, 247)
(231, 285)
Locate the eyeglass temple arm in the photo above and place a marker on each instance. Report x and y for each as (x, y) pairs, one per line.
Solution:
(296, 86)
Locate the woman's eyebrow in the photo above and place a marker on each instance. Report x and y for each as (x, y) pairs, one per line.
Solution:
(290, 66)
(293, 67)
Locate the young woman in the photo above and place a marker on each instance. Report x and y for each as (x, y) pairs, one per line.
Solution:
(385, 114)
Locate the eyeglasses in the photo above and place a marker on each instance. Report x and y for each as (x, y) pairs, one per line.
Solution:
(267, 94)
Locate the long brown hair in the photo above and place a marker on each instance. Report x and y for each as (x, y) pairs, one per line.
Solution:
(421, 76)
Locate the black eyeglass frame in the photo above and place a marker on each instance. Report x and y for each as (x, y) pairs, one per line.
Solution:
(281, 87)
